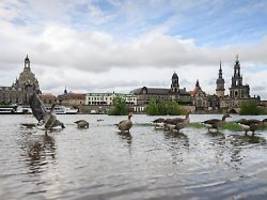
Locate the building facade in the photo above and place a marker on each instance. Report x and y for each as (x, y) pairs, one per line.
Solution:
(174, 93)
(106, 99)
(48, 99)
(200, 99)
(71, 99)
(19, 92)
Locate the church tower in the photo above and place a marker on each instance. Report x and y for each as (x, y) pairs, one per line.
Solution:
(237, 78)
(175, 83)
(220, 83)
(237, 89)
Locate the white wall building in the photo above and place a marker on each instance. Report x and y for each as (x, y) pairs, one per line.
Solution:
(106, 99)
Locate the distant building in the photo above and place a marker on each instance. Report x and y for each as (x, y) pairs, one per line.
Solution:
(19, 92)
(106, 99)
(200, 100)
(48, 98)
(239, 93)
(71, 99)
(174, 93)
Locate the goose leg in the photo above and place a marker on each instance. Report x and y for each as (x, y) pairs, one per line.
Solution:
(246, 133)
(253, 133)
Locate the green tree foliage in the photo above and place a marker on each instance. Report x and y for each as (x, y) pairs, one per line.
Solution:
(164, 108)
(250, 108)
(119, 107)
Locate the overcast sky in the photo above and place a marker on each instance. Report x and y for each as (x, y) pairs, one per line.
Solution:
(116, 45)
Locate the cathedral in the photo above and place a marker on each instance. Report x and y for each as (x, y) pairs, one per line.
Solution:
(18, 93)
(238, 92)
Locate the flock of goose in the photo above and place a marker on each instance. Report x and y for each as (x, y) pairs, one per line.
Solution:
(48, 120)
(176, 124)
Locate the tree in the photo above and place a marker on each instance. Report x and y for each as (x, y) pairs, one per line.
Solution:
(250, 108)
(164, 108)
(119, 107)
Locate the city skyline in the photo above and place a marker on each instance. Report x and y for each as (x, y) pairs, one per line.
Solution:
(85, 45)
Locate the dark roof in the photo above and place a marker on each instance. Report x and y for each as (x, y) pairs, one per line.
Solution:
(158, 91)
(71, 96)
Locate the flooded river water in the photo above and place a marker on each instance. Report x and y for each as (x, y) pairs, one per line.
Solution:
(100, 163)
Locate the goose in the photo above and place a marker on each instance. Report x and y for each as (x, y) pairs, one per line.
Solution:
(44, 117)
(215, 123)
(125, 125)
(249, 125)
(264, 121)
(176, 124)
(82, 124)
(158, 123)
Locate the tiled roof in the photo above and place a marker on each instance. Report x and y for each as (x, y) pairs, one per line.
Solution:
(72, 96)
(158, 91)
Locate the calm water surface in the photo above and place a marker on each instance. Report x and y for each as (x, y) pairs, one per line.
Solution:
(100, 163)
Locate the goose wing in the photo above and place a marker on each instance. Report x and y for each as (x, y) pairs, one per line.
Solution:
(159, 120)
(37, 106)
(211, 121)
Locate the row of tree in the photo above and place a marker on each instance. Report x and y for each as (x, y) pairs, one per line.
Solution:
(153, 108)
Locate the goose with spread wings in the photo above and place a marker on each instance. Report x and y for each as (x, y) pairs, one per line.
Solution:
(45, 117)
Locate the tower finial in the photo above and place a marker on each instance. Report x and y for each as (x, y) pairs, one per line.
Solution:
(27, 62)
(197, 83)
(237, 57)
(65, 91)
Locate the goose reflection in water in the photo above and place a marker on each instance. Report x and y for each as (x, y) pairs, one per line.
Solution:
(38, 151)
(177, 144)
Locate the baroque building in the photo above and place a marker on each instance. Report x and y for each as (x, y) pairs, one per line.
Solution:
(174, 93)
(19, 92)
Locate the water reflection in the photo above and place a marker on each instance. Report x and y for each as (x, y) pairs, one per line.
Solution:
(178, 145)
(126, 137)
(38, 149)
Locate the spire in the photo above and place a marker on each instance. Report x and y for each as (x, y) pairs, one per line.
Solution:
(220, 70)
(237, 57)
(197, 84)
(65, 91)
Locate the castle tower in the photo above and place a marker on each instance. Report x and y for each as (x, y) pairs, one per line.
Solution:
(237, 89)
(220, 83)
(175, 83)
